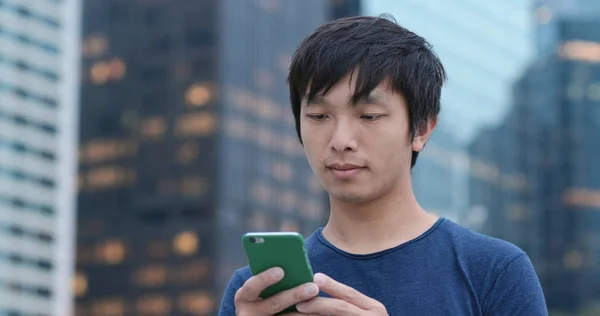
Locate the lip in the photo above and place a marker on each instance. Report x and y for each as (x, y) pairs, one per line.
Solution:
(345, 171)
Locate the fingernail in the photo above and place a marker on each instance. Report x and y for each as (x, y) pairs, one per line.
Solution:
(319, 279)
(311, 289)
(277, 273)
(301, 306)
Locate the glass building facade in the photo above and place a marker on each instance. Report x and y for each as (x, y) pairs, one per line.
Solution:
(187, 142)
(39, 53)
(553, 128)
(474, 40)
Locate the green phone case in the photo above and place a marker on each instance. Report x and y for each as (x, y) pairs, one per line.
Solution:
(284, 250)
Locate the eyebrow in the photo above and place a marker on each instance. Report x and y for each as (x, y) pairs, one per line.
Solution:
(374, 97)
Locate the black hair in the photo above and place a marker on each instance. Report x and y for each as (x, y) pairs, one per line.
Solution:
(380, 49)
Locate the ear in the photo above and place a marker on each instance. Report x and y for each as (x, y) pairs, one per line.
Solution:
(423, 133)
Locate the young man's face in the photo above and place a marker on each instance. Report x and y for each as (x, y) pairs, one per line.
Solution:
(361, 151)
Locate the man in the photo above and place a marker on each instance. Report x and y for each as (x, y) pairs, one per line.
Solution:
(365, 96)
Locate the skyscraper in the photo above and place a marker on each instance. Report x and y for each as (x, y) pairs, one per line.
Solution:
(186, 143)
(553, 130)
(484, 46)
(39, 53)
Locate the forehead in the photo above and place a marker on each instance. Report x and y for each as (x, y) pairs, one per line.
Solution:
(347, 92)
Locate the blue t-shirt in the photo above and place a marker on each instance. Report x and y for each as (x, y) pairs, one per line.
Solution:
(448, 270)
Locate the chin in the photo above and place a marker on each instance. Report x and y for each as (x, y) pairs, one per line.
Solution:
(351, 196)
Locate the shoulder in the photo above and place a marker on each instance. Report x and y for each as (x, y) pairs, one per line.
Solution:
(501, 273)
(478, 249)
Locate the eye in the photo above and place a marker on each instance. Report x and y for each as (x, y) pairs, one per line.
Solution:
(317, 117)
(370, 117)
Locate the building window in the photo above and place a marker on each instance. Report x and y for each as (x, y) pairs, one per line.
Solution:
(80, 284)
(153, 305)
(193, 186)
(194, 272)
(188, 152)
(94, 45)
(103, 71)
(198, 95)
(197, 303)
(572, 260)
(282, 171)
(151, 276)
(109, 307)
(196, 124)
(110, 252)
(153, 127)
(186, 243)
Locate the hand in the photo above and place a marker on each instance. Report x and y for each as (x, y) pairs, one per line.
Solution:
(248, 303)
(345, 300)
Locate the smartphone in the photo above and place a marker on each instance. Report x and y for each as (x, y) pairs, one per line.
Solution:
(279, 249)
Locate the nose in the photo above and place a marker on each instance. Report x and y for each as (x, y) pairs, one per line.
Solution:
(343, 137)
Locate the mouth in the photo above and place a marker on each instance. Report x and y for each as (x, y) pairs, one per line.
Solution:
(345, 171)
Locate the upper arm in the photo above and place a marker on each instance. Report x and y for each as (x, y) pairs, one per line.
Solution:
(516, 291)
(227, 307)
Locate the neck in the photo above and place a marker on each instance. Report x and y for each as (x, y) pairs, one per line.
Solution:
(383, 223)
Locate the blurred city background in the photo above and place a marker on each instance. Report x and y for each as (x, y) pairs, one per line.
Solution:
(139, 139)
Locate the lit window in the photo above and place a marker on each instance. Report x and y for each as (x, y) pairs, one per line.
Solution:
(260, 221)
(100, 72)
(80, 284)
(312, 210)
(289, 200)
(289, 226)
(572, 260)
(581, 51)
(188, 152)
(282, 171)
(261, 192)
(102, 177)
(111, 252)
(95, 46)
(108, 307)
(581, 197)
(193, 186)
(151, 276)
(196, 124)
(186, 243)
(193, 272)
(117, 69)
(153, 305)
(198, 95)
(197, 303)
(153, 127)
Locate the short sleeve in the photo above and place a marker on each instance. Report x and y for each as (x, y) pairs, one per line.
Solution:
(227, 307)
(516, 291)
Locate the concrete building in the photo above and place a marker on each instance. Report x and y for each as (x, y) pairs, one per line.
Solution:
(39, 87)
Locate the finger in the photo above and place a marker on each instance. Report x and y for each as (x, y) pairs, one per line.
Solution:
(252, 288)
(329, 306)
(343, 292)
(285, 299)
